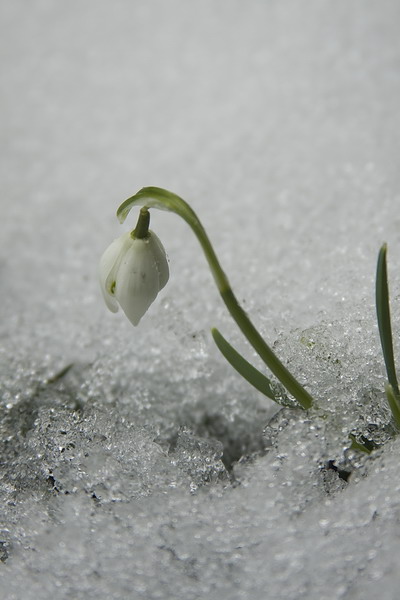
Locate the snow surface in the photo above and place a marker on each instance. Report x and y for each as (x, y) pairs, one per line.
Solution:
(148, 469)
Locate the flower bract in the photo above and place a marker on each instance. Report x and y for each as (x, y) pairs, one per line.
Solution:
(132, 271)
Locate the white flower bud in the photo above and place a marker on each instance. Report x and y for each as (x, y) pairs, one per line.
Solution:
(132, 271)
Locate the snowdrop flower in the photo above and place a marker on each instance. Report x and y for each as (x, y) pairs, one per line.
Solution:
(133, 269)
(155, 197)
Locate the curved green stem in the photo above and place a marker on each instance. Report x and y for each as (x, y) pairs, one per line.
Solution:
(154, 197)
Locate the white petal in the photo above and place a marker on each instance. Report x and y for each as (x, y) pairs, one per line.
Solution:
(161, 260)
(137, 280)
(108, 266)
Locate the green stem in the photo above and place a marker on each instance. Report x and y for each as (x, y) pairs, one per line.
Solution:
(264, 351)
(165, 200)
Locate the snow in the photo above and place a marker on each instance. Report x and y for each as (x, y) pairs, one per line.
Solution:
(134, 462)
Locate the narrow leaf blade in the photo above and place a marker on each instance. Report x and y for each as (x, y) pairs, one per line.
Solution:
(383, 315)
(242, 366)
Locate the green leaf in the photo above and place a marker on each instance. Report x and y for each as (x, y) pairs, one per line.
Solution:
(242, 366)
(394, 403)
(383, 314)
